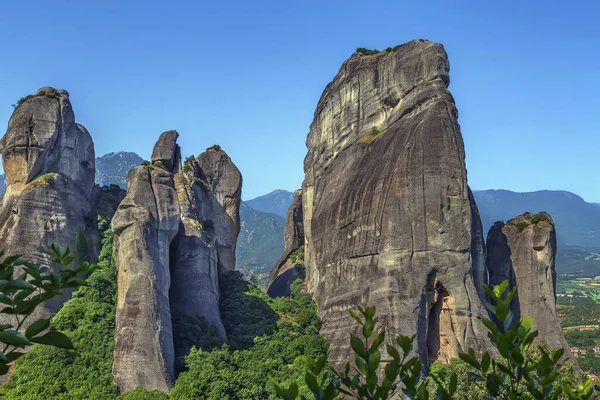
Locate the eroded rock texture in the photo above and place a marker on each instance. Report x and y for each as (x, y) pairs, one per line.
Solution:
(287, 270)
(174, 231)
(523, 252)
(49, 163)
(146, 222)
(387, 214)
(224, 180)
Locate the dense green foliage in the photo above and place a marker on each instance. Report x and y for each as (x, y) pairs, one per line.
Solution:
(516, 370)
(25, 286)
(265, 336)
(88, 320)
(367, 52)
(143, 394)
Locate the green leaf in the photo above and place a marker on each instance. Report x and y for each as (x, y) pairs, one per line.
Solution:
(453, 384)
(368, 327)
(14, 338)
(281, 392)
(311, 382)
(37, 327)
(470, 360)
(4, 299)
(391, 371)
(21, 295)
(391, 350)
(55, 339)
(374, 360)
(293, 391)
(502, 310)
(19, 284)
(501, 288)
(13, 355)
(377, 341)
(358, 346)
(491, 384)
(485, 362)
(319, 364)
(405, 343)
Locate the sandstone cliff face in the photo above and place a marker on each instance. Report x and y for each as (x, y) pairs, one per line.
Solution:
(523, 252)
(49, 163)
(387, 215)
(286, 270)
(174, 231)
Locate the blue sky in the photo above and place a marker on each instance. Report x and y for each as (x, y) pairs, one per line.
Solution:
(248, 74)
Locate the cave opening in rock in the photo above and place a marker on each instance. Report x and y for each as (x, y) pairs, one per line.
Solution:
(437, 293)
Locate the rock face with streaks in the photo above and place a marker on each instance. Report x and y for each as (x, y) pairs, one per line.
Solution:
(388, 216)
(523, 252)
(48, 160)
(174, 231)
(287, 270)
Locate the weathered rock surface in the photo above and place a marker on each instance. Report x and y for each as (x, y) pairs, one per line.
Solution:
(216, 169)
(174, 231)
(286, 271)
(523, 252)
(387, 214)
(166, 150)
(146, 222)
(49, 163)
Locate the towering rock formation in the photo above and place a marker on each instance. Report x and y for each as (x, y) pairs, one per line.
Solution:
(146, 222)
(173, 231)
(387, 213)
(49, 163)
(522, 252)
(209, 191)
(287, 270)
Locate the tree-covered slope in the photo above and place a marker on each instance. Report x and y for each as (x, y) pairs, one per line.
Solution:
(260, 242)
(264, 338)
(89, 320)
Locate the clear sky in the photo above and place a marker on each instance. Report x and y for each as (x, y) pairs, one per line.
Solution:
(248, 74)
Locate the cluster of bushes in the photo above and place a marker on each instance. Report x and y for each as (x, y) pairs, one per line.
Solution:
(265, 337)
(88, 319)
(369, 52)
(47, 92)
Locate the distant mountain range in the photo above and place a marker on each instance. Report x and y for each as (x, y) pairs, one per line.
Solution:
(577, 222)
(112, 168)
(276, 202)
(260, 243)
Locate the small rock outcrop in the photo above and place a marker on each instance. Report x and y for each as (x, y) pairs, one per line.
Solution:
(48, 160)
(288, 269)
(523, 251)
(388, 217)
(174, 231)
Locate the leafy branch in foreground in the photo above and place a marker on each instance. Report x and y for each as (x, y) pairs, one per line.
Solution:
(24, 286)
(515, 374)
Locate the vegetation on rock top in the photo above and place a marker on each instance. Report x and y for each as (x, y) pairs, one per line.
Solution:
(528, 219)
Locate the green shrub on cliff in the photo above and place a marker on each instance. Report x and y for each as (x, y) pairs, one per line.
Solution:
(88, 319)
(265, 337)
